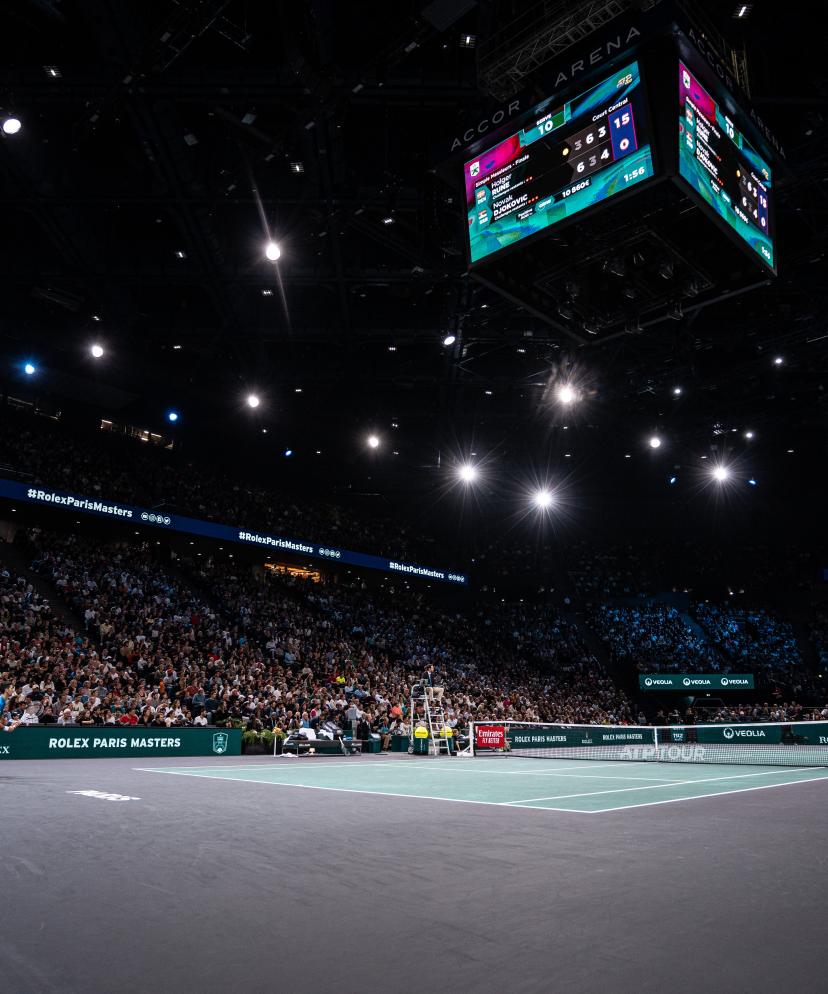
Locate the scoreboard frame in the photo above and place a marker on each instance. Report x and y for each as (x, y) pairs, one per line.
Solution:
(687, 55)
(658, 56)
(556, 100)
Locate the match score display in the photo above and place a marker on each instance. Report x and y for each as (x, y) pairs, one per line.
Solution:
(564, 160)
(723, 168)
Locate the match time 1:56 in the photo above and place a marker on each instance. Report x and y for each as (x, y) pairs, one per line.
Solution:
(634, 174)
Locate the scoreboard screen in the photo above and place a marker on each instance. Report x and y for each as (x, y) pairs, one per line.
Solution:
(565, 159)
(723, 168)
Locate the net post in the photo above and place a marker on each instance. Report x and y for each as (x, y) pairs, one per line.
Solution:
(469, 750)
(655, 742)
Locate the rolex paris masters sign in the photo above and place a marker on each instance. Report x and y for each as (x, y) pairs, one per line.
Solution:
(50, 742)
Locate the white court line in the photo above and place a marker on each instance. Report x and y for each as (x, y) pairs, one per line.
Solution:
(564, 771)
(568, 773)
(621, 790)
(352, 790)
(253, 766)
(700, 797)
(500, 804)
(402, 763)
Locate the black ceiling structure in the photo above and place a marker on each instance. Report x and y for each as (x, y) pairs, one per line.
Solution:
(164, 143)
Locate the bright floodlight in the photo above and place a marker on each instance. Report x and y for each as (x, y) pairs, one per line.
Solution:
(778, 360)
(172, 416)
(676, 391)
(542, 498)
(253, 400)
(721, 473)
(655, 442)
(468, 473)
(11, 126)
(449, 340)
(97, 351)
(748, 435)
(373, 442)
(566, 394)
(272, 251)
(29, 369)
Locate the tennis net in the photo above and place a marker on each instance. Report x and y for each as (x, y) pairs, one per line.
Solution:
(803, 743)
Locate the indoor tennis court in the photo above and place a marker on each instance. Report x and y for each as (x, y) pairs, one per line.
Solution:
(583, 787)
(383, 872)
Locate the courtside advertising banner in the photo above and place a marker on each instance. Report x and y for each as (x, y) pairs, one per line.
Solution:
(490, 736)
(696, 681)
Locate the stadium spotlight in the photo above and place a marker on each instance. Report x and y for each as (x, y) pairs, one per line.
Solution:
(30, 369)
(272, 251)
(11, 125)
(253, 400)
(752, 482)
(172, 416)
(468, 473)
(97, 350)
(288, 453)
(449, 340)
(720, 473)
(673, 481)
(566, 394)
(655, 442)
(749, 435)
(373, 442)
(676, 391)
(542, 499)
(778, 360)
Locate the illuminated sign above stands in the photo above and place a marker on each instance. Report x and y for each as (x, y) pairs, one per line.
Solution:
(563, 160)
(45, 497)
(695, 681)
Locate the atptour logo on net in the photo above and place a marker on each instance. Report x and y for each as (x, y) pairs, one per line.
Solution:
(156, 519)
(78, 503)
(743, 733)
(664, 754)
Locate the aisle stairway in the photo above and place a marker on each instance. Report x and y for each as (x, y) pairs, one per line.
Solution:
(18, 557)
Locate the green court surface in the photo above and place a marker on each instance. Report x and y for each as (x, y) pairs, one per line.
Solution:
(561, 785)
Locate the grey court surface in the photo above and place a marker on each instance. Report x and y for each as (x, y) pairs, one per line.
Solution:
(406, 875)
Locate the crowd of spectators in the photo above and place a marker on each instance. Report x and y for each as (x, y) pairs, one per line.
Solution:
(121, 468)
(655, 638)
(752, 640)
(229, 645)
(731, 714)
(715, 638)
(819, 637)
(599, 572)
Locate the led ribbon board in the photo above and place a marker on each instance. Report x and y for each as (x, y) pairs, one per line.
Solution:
(723, 168)
(564, 160)
(127, 514)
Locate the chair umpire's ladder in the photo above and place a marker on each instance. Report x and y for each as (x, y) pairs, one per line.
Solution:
(433, 718)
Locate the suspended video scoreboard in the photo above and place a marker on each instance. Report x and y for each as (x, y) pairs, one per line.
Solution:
(565, 159)
(616, 137)
(723, 168)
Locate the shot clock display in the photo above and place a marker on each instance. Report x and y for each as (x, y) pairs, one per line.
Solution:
(564, 159)
(723, 168)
